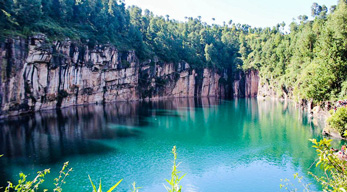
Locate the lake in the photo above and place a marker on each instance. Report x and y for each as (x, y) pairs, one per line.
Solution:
(236, 145)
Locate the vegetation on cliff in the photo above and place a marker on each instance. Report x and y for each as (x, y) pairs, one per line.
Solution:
(108, 21)
(308, 63)
(338, 121)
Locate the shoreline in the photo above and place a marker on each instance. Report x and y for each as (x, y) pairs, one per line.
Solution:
(317, 114)
(18, 114)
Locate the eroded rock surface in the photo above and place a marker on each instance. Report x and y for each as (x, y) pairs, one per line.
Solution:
(37, 75)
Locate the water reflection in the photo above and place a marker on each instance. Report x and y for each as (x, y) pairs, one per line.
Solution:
(68, 130)
(217, 140)
(46, 136)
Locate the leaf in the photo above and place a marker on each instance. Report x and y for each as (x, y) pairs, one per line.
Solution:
(114, 186)
(296, 175)
(168, 181)
(314, 141)
(92, 184)
(99, 190)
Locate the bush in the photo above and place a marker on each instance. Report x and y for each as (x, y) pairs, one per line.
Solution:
(338, 120)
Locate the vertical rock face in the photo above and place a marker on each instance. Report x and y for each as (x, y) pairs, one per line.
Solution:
(239, 85)
(251, 83)
(245, 84)
(36, 75)
(210, 83)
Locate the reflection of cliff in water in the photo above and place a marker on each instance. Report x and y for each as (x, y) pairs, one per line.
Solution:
(48, 136)
(233, 134)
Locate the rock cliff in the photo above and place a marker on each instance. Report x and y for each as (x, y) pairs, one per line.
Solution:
(37, 75)
(245, 84)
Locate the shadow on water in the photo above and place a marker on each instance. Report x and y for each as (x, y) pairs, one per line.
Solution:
(239, 133)
(49, 137)
(52, 136)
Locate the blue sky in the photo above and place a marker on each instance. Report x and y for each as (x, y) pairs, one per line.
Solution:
(257, 13)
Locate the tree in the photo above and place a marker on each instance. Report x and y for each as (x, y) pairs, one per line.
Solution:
(316, 9)
(303, 18)
(28, 11)
(332, 8)
(230, 22)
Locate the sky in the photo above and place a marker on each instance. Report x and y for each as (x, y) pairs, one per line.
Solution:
(257, 13)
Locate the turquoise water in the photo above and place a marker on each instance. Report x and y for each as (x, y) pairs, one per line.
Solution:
(238, 145)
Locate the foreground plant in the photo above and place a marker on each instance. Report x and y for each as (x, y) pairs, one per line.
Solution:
(100, 186)
(60, 180)
(335, 173)
(289, 186)
(28, 186)
(31, 186)
(135, 189)
(335, 178)
(175, 179)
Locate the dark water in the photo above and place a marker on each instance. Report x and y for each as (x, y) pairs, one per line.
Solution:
(238, 145)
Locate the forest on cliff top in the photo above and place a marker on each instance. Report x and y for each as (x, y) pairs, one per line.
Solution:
(309, 62)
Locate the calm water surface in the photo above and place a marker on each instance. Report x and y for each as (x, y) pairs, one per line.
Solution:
(238, 145)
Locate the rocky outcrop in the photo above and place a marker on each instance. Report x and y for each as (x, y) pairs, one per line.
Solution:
(239, 85)
(251, 83)
(245, 84)
(37, 75)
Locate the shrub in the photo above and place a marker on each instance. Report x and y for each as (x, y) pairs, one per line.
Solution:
(338, 120)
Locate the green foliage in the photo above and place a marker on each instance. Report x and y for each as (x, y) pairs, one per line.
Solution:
(100, 186)
(25, 185)
(108, 21)
(335, 173)
(310, 61)
(338, 120)
(60, 180)
(135, 189)
(343, 93)
(289, 186)
(175, 178)
(32, 186)
(335, 178)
